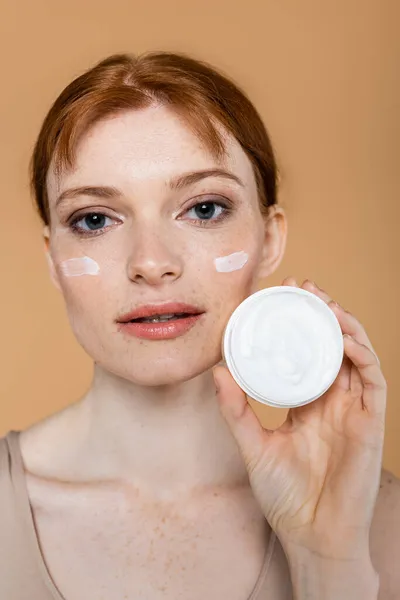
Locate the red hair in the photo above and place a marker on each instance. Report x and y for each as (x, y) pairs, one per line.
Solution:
(196, 91)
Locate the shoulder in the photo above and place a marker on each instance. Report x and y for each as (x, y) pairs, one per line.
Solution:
(385, 536)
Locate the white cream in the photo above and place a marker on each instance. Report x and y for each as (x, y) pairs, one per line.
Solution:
(284, 347)
(232, 262)
(83, 265)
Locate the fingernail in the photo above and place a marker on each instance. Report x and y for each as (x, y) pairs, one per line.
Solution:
(311, 282)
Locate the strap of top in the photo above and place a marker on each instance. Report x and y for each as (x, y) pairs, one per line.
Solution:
(23, 573)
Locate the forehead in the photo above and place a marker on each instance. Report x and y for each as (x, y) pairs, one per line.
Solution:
(141, 145)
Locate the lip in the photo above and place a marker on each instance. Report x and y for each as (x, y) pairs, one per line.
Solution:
(160, 331)
(149, 310)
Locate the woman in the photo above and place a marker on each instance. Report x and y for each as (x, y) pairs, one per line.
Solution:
(160, 481)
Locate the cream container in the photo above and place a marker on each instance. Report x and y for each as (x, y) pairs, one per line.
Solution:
(283, 346)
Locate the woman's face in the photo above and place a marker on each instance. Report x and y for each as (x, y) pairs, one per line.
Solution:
(148, 242)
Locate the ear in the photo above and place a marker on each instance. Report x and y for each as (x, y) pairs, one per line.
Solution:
(274, 243)
(53, 272)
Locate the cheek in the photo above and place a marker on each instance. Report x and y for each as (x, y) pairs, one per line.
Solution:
(84, 299)
(90, 308)
(87, 284)
(237, 270)
(78, 276)
(86, 290)
(231, 262)
(74, 267)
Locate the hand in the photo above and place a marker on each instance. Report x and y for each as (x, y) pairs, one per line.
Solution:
(317, 476)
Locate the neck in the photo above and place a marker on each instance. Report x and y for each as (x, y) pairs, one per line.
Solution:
(169, 439)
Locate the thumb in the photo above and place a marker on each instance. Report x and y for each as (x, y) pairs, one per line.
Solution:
(240, 417)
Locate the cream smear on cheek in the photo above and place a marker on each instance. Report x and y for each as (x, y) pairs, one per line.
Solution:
(232, 262)
(83, 265)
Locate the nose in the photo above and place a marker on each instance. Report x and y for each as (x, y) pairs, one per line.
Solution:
(153, 259)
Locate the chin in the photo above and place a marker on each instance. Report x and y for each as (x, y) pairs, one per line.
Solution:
(152, 364)
(166, 371)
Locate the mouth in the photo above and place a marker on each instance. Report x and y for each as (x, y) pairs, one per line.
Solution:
(161, 313)
(160, 318)
(164, 322)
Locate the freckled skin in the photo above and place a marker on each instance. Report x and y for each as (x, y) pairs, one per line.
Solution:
(153, 256)
(181, 516)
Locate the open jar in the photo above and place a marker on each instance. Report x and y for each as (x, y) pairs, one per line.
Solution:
(283, 346)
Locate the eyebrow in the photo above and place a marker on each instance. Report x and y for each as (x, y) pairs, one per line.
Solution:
(177, 183)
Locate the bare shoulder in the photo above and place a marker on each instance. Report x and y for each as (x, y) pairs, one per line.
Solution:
(385, 536)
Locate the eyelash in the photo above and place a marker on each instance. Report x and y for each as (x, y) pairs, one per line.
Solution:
(202, 222)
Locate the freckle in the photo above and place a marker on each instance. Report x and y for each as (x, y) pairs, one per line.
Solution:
(390, 480)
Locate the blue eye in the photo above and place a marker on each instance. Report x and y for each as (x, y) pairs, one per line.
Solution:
(207, 210)
(94, 221)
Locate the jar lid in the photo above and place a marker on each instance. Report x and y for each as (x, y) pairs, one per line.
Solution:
(283, 346)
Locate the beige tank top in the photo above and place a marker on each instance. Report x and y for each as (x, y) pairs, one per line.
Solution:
(23, 572)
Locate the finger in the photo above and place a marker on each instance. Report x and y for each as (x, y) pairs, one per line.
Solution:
(352, 326)
(343, 379)
(240, 417)
(290, 280)
(373, 382)
(312, 287)
(348, 322)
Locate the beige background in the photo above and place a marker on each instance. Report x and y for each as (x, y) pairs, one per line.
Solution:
(324, 76)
